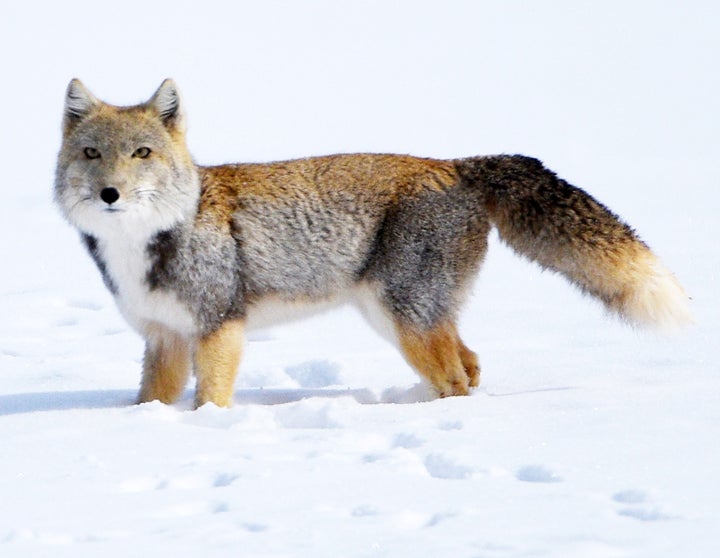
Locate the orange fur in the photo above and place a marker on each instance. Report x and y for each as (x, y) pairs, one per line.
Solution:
(217, 357)
(166, 366)
(470, 362)
(440, 357)
(384, 177)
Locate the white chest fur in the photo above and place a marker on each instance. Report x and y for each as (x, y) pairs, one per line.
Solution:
(127, 263)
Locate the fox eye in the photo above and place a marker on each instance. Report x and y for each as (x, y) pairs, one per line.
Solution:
(91, 153)
(142, 152)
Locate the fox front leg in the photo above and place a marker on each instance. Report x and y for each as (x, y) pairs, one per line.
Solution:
(217, 357)
(166, 366)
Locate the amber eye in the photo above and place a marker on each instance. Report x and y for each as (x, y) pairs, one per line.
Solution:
(91, 153)
(142, 152)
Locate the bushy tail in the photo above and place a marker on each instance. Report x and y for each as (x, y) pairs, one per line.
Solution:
(564, 229)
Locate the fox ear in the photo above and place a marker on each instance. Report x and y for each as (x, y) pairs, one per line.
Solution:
(79, 102)
(166, 102)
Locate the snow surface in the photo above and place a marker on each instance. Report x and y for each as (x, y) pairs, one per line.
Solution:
(586, 438)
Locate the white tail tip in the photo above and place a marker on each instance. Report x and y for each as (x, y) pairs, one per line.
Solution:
(658, 300)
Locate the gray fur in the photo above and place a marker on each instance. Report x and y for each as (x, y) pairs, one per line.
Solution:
(201, 269)
(427, 252)
(91, 245)
(306, 246)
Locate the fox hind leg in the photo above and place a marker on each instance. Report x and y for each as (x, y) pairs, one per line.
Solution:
(166, 366)
(469, 361)
(437, 356)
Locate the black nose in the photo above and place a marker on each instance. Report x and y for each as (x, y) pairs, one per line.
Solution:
(109, 195)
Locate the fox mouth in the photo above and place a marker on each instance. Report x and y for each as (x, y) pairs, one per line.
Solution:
(112, 210)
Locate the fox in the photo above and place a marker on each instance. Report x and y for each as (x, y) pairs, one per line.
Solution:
(195, 256)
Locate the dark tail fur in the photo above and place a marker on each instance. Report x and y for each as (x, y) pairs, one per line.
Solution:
(564, 229)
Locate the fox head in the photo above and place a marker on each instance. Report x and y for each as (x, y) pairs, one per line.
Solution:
(125, 168)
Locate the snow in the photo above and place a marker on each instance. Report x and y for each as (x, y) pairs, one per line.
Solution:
(586, 438)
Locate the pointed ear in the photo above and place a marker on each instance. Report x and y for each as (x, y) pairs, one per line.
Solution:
(166, 102)
(79, 102)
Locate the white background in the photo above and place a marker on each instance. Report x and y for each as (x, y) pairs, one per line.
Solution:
(585, 439)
